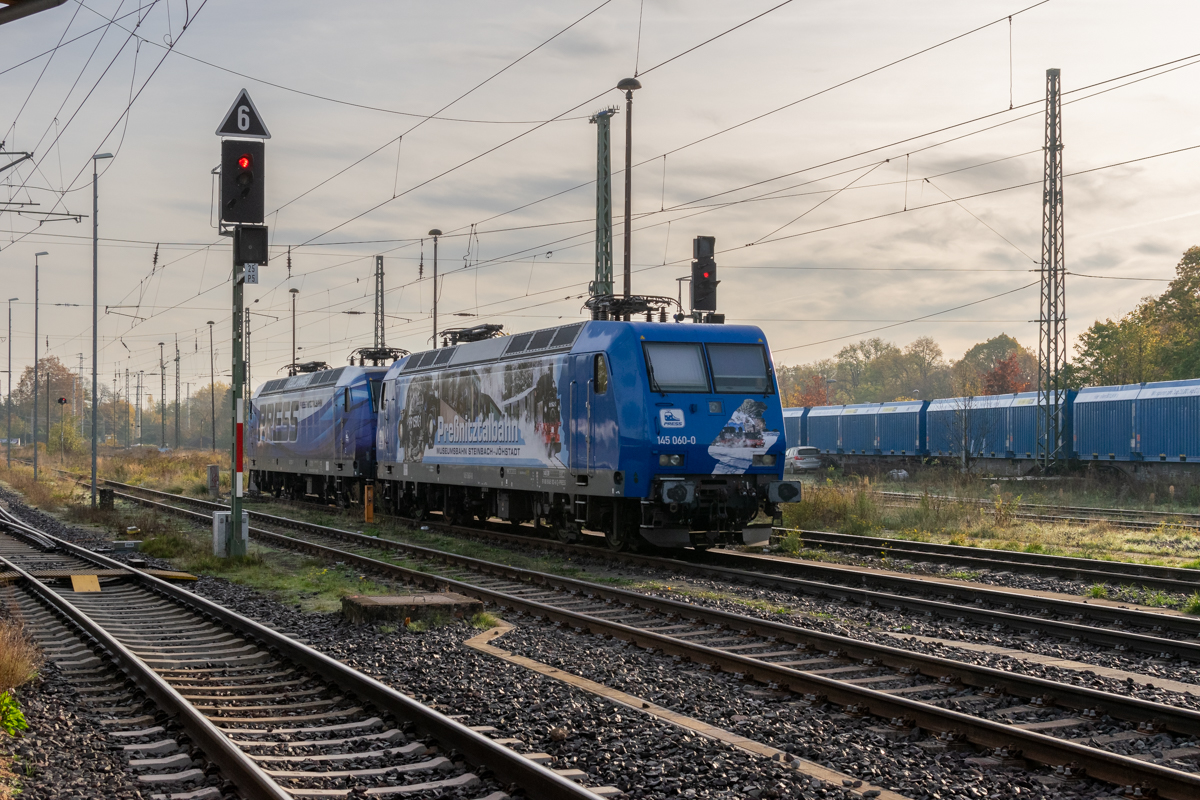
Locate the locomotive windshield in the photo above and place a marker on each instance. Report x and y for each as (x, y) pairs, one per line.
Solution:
(681, 367)
(676, 367)
(739, 369)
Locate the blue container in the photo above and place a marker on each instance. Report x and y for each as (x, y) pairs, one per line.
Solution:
(794, 420)
(900, 428)
(1105, 423)
(1168, 421)
(977, 424)
(1023, 424)
(824, 430)
(858, 429)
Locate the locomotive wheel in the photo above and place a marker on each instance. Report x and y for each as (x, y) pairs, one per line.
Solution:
(567, 533)
(622, 532)
(621, 538)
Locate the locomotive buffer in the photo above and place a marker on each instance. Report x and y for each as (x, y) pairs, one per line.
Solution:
(242, 132)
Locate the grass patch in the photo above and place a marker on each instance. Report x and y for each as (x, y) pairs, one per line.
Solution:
(963, 575)
(1192, 604)
(429, 622)
(846, 509)
(1098, 591)
(483, 620)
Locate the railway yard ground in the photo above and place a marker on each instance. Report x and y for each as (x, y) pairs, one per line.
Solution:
(655, 677)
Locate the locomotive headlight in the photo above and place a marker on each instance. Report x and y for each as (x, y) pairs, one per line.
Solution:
(670, 460)
(764, 461)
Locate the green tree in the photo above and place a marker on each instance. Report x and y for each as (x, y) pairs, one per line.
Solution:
(1156, 341)
(65, 438)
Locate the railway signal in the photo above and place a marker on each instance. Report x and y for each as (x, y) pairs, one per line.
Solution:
(243, 193)
(242, 184)
(704, 274)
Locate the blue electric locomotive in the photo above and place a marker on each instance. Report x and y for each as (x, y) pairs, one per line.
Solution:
(314, 434)
(671, 434)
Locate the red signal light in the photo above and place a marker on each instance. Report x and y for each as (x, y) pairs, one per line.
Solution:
(707, 275)
(244, 162)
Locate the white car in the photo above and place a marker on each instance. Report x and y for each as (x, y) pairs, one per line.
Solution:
(801, 459)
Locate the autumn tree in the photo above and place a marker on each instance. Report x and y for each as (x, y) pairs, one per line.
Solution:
(1005, 377)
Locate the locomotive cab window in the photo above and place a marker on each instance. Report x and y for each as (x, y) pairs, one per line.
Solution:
(675, 367)
(376, 392)
(346, 399)
(599, 374)
(740, 369)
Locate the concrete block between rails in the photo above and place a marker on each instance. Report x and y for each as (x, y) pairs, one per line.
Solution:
(362, 609)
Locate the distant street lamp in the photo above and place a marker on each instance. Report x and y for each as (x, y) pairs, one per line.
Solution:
(628, 85)
(212, 384)
(827, 382)
(95, 315)
(435, 233)
(292, 368)
(36, 256)
(9, 403)
(162, 400)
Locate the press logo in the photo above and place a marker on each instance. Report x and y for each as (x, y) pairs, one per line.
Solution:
(670, 418)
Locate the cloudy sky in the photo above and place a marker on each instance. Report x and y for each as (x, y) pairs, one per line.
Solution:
(824, 144)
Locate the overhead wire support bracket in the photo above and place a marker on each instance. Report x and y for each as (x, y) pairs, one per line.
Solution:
(23, 157)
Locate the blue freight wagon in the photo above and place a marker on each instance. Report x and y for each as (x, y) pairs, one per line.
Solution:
(824, 428)
(1168, 421)
(900, 428)
(1136, 423)
(1023, 416)
(794, 427)
(1105, 423)
(978, 425)
(858, 429)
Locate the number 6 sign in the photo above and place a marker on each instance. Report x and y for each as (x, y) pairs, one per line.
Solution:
(242, 120)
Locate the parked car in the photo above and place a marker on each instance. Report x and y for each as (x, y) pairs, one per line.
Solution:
(801, 459)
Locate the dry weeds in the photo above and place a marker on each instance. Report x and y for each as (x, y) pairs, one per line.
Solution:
(20, 657)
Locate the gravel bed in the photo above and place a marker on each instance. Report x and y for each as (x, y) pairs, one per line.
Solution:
(652, 759)
(65, 755)
(615, 746)
(645, 757)
(820, 734)
(875, 624)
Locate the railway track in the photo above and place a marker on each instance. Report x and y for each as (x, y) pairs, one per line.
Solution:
(1016, 718)
(276, 718)
(1078, 568)
(1173, 579)
(1112, 626)
(1040, 512)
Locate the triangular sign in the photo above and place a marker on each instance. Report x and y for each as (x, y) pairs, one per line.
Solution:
(243, 120)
